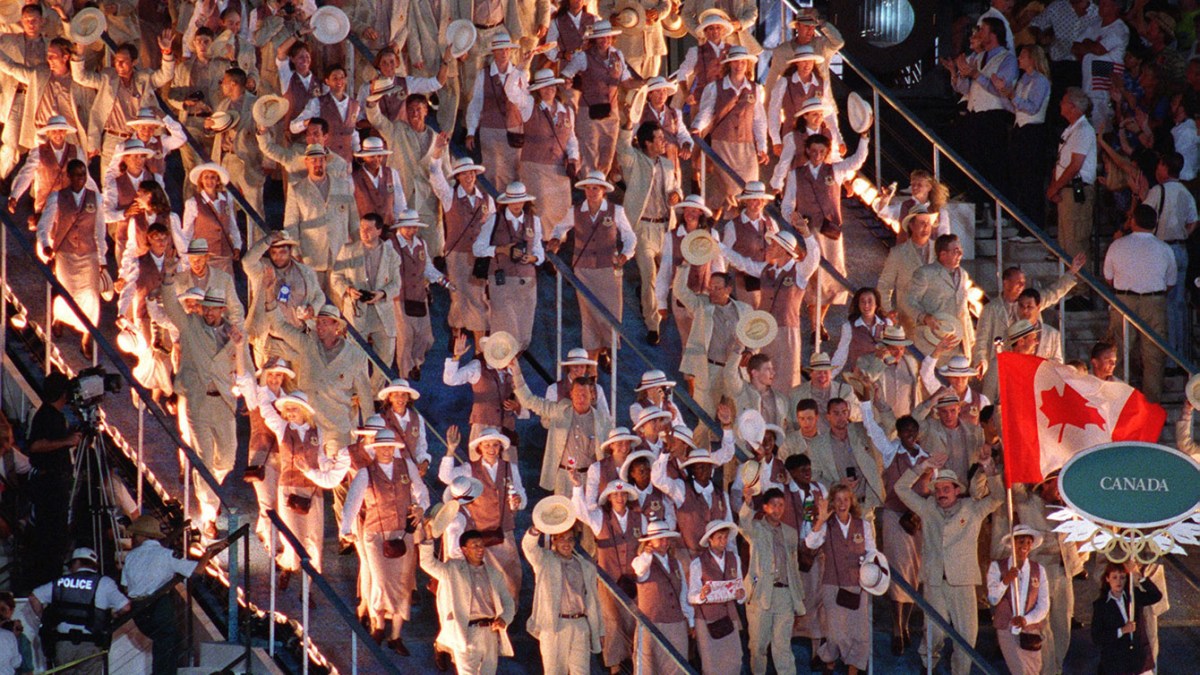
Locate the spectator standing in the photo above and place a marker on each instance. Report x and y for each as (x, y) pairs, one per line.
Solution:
(1073, 186)
(1175, 208)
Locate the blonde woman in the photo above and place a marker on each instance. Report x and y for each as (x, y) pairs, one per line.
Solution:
(925, 191)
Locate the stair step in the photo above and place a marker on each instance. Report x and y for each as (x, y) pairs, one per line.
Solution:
(217, 655)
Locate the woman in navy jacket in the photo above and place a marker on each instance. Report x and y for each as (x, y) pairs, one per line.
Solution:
(1123, 641)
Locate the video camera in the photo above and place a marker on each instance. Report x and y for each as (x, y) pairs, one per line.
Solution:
(89, 386)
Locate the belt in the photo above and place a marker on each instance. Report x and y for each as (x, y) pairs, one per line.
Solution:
(779, 585)
(481, 622)
(718, 364)
(213, 393)
(482, 26)
(572, 616)
(119, 134)
(1177, 242)
(655, 220)
(1143, 295)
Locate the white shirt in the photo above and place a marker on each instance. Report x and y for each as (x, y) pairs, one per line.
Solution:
(10, 653)
(151, 566)
(50, 214)
(626, 236)
(1187, 144)
(1079, 138)
(1068, 26)
(802, 269)
(996, 590)
(1176, 209)
(357, 494)
(1140, 263)
(816, 538)
(448, 470)
(708, 104)
(592, 514)
(696, 574)
(108, 597)
(842, 171)
(641, 568)
(475, 106)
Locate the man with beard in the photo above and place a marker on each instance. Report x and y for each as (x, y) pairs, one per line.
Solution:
(275, 275)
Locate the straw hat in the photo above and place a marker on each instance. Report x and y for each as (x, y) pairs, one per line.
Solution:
(330, 25)
(146, 526)
(88, 25)
(874, 574)
(488, 434)
(698, 456)
(1023, 531)
(501, 41)
(859, 112)
(544, 78)
(371, 426)
(714, 17)
(577, 357)
(595, 178)
(894, 336)
(192, 293)
(948, 400)
(738, 53)
(916, 210)
(751, 427)
(499, 349)
(515, 193)
(373, 146)
(277, 364)
(811, 105)
(870, 368)
(297, 398)
(410, 218)
(614, 486)
(629, 15)
(146, 118)
(957, 366)
(787, 241)
(223, 120)
(316, 150)
(127, 341)
(464, 164)
(806, 53)
(400, 385)
(716, 526)
(382, 86)
(268, 110)
(463, 490)
(198, 171)
(757, 329)
(213, 297)
(633, 456)
(653, 378)
(947, 476)
(618, 434)
(694, 201)
(649, 414)
(134, 146)
(755, 190)
(442, 515)
(601, 29)
(56, 123)
(947, 325)
(699, 247)
(1193, 391)
(658, 529)
(384, 438)
(659, 82)
(553, 515)
(684, 434)
(331, 312)
(1020, 329)
(820, 361)
(673, 26)
(461, 35)
(749, 472)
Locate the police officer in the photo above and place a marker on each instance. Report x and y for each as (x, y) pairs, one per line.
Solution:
(77, 611)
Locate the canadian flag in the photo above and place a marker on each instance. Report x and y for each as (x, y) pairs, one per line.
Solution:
(1049, 411)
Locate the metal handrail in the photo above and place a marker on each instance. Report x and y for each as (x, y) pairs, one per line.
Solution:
(940, 146)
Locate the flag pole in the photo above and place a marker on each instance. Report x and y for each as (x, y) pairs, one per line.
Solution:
(1012, 549)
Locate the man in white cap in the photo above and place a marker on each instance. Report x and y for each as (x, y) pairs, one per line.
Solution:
(774, 589)
(1019, 593)
(198, 273)
(377, 188)
(783, 278)
(550, 155)
(49, 91)
(121, 180)
(576, 428)
(493, 120)
(950, 527)
(414, 332)
(291, 156)
(81, 605)
(748, 234)
(714, 333)
(604, 242)
(822, 387)
(943, 287)
(576, 364)
(366, 283)
(120, 92)
(662, 596)
(949, 433)
(602, 72)
(320, 214)
(274, 272)
(501, 495)
(464, 210)
(961, 378)
(652, 189)
(565, 617)
(71, 235)
(330, 366)
(212, 350)
(45, 167)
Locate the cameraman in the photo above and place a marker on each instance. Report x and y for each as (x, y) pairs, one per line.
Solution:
(50, 441)
(77, 611)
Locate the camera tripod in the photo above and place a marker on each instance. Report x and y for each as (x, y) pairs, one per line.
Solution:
(92, 510)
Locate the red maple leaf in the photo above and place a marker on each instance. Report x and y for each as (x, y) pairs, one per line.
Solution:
(1069, 407)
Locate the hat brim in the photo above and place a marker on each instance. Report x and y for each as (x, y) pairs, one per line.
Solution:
(760, 196)
(631, 438)
(534, 86)
(660, 415)
(731, 527)
(1038, 539)
(515, 199)
(269, 110)
(554, 515)
(652, 385)
(612, 32)
(478, 168)
(330, 25)
(461, 36)
(660, 535)
(505, 442)
(587, 182)
(198, 171)
(749, 338)
(289, 400)
(446, 513)
(56, 127)
(390, 389)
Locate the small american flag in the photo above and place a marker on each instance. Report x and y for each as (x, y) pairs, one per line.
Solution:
(1103, 73)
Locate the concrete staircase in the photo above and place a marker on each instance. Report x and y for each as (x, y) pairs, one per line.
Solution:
(1082, 329)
